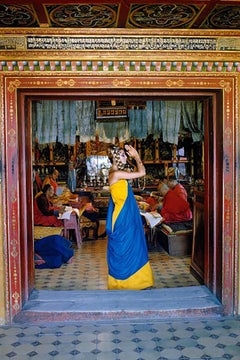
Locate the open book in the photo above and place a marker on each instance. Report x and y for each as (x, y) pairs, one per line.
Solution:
(152, 218)
(67, 213)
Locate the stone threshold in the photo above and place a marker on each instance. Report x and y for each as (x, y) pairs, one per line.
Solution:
(63, 306)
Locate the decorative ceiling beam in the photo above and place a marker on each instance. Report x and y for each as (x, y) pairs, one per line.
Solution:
(120, 66)
(41, 14)
(206, 10)
(123, 14)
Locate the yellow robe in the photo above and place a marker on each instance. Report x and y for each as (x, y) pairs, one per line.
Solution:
(127, 255)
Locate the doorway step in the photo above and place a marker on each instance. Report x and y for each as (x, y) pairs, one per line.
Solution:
(62, 306)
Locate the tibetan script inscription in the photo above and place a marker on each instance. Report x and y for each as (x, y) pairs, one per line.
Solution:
(120, 43)
(111, 112)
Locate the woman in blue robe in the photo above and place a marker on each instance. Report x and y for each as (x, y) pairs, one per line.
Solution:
(127, 255)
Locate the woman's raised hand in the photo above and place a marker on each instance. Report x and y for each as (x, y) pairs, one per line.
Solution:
(131, 151)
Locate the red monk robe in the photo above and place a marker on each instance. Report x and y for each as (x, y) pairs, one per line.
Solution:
(175, 208)
(45, 213)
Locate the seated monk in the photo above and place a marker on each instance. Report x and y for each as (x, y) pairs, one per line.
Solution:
(152, 203)
(152, 200)
(177, 187)
(45, 213)
(155, 201)
(175, 208)
(52, 180)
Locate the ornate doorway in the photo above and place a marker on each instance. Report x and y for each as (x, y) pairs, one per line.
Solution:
(18, 197)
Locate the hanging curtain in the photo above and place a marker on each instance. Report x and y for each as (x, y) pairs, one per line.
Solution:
(65, 121)
(54, 120)
(138, 126)
(163, 118)
(43, 123)
(171, 116)
(192, 113)
(108, 131)
(154, 116)
(85, 120)
(60, 119)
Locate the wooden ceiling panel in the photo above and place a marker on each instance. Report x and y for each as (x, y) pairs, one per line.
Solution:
(162, 16)
(135, 14)
(18, 16)
(223, 17)
(83, 15)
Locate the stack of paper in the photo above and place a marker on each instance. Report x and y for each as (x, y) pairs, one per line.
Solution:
(152, 218)
(67, 213)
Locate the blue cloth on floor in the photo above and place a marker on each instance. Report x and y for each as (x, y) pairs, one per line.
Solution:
(55, 250)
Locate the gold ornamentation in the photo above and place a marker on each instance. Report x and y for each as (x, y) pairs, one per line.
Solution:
(226, 85)
(118, 83)
(228, 132)
(13, 85)
(14, 252)
(16, 297)
(14, 220)
(69, 82)
(13, 43)
(226, 44)
(178, 83)
(12, 135)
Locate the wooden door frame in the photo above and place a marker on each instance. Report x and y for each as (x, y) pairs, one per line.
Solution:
(213, 220)
(19, 228)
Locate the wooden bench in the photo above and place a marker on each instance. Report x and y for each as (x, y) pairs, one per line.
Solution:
(176, 243)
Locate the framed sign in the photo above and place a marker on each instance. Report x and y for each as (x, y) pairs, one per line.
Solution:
(111, 113)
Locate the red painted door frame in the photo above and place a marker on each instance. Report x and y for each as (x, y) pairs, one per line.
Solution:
(212, 254)
(19, 172)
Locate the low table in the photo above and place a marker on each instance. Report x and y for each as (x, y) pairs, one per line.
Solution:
(176, 243)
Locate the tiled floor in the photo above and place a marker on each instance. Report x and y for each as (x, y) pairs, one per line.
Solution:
(89, 270)
(212, 339)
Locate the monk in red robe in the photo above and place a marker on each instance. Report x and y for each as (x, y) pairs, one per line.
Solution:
(45, 213)
(177, 188)
(52, 180)
(175, 208)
